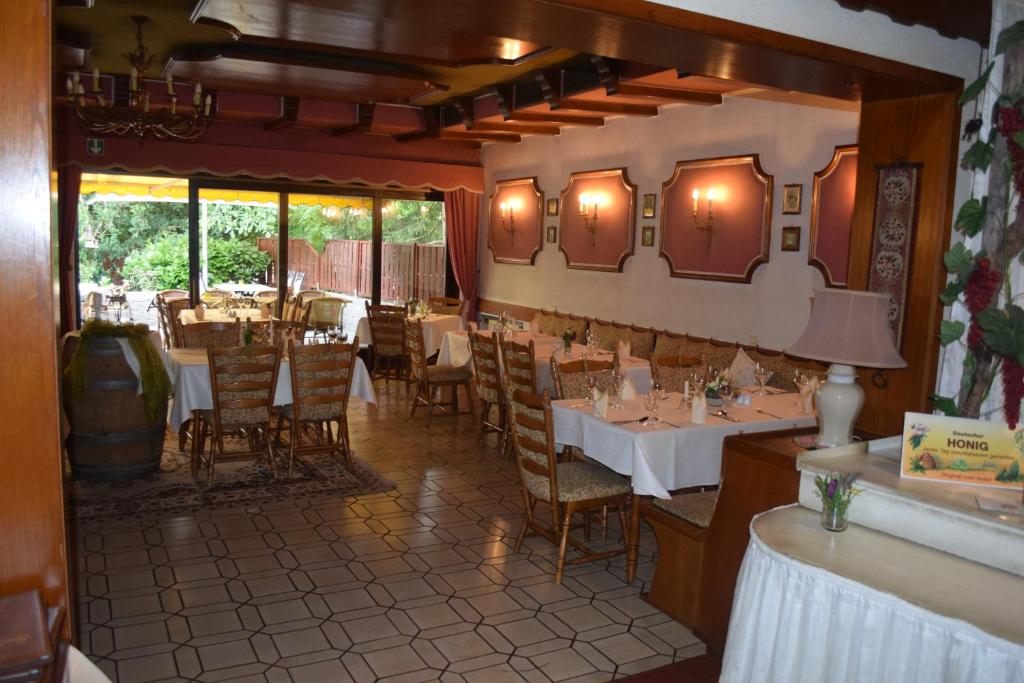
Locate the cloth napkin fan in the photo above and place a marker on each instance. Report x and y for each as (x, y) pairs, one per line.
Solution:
(601, 404)
(624, 350)
(742, 370)
(534, 327)
(199, 311)
(628, 392)
(807, 392)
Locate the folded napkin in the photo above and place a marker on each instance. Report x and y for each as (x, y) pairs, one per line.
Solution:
(742, 370)
(601, 404)
(534, 327)
(699, 409)
(628, 390)
(199, 311)
(624, 350)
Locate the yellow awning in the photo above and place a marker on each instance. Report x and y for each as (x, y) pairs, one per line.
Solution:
(112, 186)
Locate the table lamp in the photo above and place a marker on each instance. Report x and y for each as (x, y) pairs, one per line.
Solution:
(847, 328)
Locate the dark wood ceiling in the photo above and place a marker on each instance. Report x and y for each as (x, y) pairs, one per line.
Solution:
(468, 71)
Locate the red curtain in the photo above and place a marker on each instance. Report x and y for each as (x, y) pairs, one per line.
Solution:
(462, 218)
(69, 181)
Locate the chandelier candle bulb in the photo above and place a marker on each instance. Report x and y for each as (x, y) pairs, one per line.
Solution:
(197, 95)
(170, 84)
(133, 83)
(96, 79)
(206, 106)
(71, 86)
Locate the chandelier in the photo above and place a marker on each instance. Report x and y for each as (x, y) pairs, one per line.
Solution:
(136, 119)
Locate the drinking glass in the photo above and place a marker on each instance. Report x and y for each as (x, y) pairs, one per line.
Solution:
(652, 402)
(762, 375)
(725, 393)
(590, 382)
(618, 381)
(657, 389)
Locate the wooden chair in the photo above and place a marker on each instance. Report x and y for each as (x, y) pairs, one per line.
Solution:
(283, 330)
(160, 300)
(218, 334)
(325, 312)
(445, 305)
(243, 380)
(487, 370)
(672, 372)
(566, 487)
(174, 309)
(321, 377)
(387, 328)
(95, 306)
(570, 377)
(217, 298)
(303, 297)
(519, 370)
(431, 378)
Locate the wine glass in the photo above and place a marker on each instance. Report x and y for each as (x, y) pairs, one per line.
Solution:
(660, 392)
(652, 402)
(725, 393)
(618, 382)
(762, 375)
(590, 382)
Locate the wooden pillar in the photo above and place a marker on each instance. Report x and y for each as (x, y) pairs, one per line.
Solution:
(33, 547)
(923, 130)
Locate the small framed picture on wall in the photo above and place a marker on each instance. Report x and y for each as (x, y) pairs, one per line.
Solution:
(552, 233)
(647, 236)
(650, 201)
(791, 238)
(792, 196)
(552, 207)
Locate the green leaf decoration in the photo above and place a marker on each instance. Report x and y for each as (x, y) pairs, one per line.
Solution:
(970, 369)
(950, 331)
(1008, 37)
(953, 290)
(975, 88)
(958, 259)
(1002, 330)
(971, 217)
(944, 404)
(977, 157)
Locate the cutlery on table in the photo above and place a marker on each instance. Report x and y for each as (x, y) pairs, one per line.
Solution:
(765, 412)
(724, 415)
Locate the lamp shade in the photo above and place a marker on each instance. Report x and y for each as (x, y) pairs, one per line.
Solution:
(851, 328)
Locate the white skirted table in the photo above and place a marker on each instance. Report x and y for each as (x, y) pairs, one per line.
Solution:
(434, 329)
(189, 370)
(861, 605)
(455, 351)
(221, 315)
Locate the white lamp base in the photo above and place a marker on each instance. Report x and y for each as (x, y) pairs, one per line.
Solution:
(839, 402)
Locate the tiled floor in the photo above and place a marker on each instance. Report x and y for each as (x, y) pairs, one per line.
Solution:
(417, 584)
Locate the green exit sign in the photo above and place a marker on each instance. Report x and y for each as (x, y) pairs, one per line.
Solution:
(95, 146)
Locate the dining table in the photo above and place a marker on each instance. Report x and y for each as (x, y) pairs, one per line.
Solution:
(221, 315)
(189, 370)
(455, 351)
(670, 452)
(435, 326)
(244, 289)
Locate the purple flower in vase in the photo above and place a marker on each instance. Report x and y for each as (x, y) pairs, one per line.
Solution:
(833, 484)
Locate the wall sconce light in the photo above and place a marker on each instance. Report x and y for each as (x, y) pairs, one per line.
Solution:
(707, 226)
(508, 216)
(589, 204)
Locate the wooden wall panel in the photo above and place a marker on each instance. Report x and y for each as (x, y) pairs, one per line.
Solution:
(918, 130)
(33, 551)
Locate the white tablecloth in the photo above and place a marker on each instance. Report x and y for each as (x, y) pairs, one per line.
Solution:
(455, 351)
(862, 606)
(664, 457)
(190, 373)
(244, 289)
(220, 315)
(434, 329)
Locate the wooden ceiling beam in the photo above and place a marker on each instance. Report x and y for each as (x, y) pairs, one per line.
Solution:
(289, 115)
(504, 95)
(466, 110)
(557, 117)
(433, 121)
(610, 107)
(608, 74)
(513, 127)
(480, 136)
(364, 121)
(550, 82)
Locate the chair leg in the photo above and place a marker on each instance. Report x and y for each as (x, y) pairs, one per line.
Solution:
(194, 451)
(431, 391)
(215, 442)
(562, 542)
(183, 433)
(527, 521)
(622, 522)
(296, 433)
(469, 399)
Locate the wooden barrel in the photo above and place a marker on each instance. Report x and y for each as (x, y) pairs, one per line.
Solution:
(111, 437)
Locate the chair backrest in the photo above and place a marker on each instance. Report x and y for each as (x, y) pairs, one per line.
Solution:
(296, 283)
(243, 379)
(387, 327)
(307, 294)
(321, 379)
(672, 372)
(172, 293)
(519, 364)
(486, 365)
(325, 311)
(174, 309)
(217, 297)
(288, 310)
(570, 377)
(417, 348)
(218, 334)
(445, 305)
(285, 330)
(534, 441)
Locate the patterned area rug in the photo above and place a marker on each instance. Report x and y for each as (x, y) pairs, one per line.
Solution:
(245, 482)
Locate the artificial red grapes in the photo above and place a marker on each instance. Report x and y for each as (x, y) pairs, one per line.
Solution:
(982, 285)
(1011, 122)
(1013, 391)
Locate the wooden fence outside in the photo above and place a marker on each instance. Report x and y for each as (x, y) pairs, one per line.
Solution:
(408, 271)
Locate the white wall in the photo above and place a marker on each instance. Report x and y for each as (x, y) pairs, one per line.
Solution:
(793, 141)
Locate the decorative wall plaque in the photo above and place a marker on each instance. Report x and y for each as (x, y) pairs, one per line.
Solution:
(514, 231)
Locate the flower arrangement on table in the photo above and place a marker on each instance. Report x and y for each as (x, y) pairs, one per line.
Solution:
(568, 337)
(836, 491)
(718, 386)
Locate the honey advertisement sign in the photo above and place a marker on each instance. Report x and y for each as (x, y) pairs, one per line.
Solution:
(962, 451)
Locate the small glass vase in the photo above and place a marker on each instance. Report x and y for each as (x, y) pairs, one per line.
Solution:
(567, 348)
(833, 518)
